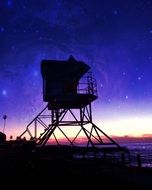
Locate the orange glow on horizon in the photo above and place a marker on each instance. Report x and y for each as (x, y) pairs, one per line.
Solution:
(127, 127)
(133, 126)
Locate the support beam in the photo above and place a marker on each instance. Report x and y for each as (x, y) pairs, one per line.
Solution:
(58, 118)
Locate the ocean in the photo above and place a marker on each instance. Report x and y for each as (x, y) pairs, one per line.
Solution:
(145, 151)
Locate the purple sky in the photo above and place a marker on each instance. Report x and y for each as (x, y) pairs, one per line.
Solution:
(113, 36)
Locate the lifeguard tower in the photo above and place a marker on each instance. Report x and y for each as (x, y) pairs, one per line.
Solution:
(69, 90)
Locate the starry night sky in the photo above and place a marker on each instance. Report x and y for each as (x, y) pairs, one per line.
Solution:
(113, 36)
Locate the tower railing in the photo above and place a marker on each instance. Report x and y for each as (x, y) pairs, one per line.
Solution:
(87, 85)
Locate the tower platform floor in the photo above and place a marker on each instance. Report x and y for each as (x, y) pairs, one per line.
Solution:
(72, 102)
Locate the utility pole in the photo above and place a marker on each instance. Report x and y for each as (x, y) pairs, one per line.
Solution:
(4, 117)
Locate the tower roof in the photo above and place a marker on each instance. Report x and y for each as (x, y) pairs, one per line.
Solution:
(71, 59)
(60, 70)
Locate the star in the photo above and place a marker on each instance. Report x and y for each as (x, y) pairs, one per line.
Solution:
(2, 29)
(109, 100)
(124, 73)
(9, 3)
(126, 97)
(35, 73)
(101, 85)
(115, 12)
(4, 92)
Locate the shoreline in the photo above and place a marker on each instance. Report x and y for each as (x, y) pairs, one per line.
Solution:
(26, 164)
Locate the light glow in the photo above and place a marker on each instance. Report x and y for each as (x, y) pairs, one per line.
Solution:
(134, 126)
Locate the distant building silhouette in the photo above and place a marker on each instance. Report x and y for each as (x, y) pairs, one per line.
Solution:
(2, 138)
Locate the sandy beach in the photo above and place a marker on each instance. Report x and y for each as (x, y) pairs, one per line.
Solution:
(34, 170)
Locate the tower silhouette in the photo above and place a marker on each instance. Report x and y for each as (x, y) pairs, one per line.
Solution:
(69, 90)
